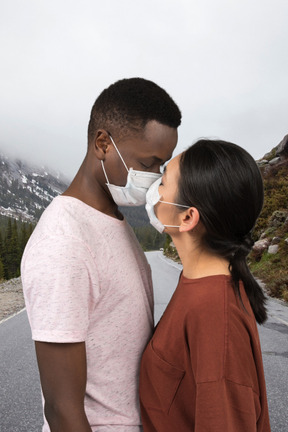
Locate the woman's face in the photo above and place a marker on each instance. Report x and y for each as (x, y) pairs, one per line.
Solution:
(168, 190)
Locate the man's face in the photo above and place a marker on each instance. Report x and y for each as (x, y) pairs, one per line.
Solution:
(142, 152)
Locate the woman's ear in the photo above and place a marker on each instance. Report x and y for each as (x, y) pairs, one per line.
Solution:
(189, 219)
(101, 143)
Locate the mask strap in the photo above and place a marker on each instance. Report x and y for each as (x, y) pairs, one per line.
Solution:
(105, 172)
(179, 205)
(118, 152)
(172, 226)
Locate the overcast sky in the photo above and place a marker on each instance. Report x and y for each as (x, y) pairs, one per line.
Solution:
(224, 62)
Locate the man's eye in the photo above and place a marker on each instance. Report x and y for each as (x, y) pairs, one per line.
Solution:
(144, 166)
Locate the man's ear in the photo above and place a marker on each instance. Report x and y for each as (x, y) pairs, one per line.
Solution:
(101, 143)
(189, 220)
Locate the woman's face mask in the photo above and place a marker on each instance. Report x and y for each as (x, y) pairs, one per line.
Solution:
(137, 185)
(152, 198)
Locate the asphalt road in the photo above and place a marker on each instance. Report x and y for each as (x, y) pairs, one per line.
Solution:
(20, 396)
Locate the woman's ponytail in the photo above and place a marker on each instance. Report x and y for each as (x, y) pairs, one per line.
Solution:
(240, 271)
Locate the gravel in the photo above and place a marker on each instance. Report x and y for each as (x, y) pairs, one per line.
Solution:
(11, 298)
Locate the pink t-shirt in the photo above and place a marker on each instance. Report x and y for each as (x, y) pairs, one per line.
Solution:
(86, 278)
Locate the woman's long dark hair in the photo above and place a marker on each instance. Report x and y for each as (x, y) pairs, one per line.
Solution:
(224, 183)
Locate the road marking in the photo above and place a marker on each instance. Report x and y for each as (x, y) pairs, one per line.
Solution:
(279, 319)
(168, 261)
(11, 316)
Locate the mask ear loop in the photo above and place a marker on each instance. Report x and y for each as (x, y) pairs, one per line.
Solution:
(179, 205)
(118, 153)
(104, 172)
(119, 156)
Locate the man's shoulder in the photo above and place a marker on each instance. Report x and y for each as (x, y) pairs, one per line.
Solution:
(69, 216)
(67, 224)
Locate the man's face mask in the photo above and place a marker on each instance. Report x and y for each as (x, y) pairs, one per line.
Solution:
(152, 198)
(137, 185)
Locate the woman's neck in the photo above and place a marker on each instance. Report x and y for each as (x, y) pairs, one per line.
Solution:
(197, 262)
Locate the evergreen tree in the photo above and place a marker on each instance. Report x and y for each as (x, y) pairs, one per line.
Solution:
(15, 236)
(7, 250)
(2, 275)
(15, 255)
(1, 247)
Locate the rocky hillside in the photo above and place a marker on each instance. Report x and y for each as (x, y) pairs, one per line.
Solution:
(26, 190)
(269, 258)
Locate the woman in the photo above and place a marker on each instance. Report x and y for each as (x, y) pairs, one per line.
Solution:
(203, 370)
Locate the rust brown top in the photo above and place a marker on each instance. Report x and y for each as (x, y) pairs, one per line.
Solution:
(203, 371)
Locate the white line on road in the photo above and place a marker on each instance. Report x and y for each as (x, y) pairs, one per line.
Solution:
(279, 319)
(11, 316)
(168, 261)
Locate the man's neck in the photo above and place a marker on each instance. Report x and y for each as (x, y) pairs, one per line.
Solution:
(89, 190)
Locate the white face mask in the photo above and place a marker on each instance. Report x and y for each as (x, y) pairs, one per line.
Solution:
(137, 185)
(152, 198)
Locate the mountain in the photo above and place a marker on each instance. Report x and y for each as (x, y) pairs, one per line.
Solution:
(26, 190)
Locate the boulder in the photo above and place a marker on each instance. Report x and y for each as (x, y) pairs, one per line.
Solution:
(273, 249)
(277, 218)
(274, 161)
(275, 240)
(282, 148)
(259, 247)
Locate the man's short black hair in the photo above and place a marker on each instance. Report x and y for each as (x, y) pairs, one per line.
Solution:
(129, 104)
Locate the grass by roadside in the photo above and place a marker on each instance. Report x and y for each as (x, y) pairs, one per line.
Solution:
(273, 271)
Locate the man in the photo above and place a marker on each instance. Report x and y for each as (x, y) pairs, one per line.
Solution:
(86, 281)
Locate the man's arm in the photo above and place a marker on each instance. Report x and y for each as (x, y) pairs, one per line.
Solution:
(63, 376)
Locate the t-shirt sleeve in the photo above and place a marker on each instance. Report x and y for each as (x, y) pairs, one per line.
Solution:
(224, 406)
(61, 288)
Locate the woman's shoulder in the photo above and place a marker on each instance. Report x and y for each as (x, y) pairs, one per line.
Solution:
(205, 292)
